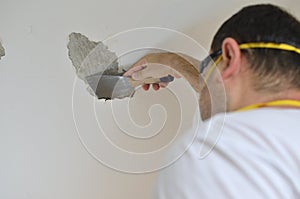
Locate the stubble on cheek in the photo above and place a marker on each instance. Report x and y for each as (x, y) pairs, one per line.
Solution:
(212, 99)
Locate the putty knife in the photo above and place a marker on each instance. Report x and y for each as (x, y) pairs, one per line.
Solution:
(113, 86)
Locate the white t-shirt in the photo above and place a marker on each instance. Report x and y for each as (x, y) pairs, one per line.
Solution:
(257, 156)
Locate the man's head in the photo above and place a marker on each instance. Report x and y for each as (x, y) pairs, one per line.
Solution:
(261, 74)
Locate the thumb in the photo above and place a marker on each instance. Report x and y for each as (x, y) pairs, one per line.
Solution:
(140, 65)
(141, 74)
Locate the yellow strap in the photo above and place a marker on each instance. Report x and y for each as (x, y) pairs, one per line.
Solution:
(267, 45)
(282, 46)
(212, 68)
(292, 103)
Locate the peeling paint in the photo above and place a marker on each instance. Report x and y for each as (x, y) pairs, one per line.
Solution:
(2, 51)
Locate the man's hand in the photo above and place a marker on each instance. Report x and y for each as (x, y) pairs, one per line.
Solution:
(159, 65)
(153, 66)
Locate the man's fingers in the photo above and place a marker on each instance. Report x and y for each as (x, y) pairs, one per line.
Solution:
(142, 70)
(146, 87)
(142, 74)
(155, 87)
(154, 71)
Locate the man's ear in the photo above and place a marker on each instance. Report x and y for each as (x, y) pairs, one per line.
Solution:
(231, 55)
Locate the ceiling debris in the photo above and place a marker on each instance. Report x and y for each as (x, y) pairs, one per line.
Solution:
(90, 57)
(2, 51)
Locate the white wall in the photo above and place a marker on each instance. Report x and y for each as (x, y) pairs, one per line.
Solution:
(41, 155)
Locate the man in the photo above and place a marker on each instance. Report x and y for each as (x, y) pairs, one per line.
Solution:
(256, 56)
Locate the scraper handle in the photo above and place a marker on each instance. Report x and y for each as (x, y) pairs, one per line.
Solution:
(151, 80)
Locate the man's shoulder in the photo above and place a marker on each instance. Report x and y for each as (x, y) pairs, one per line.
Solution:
(246, 149)
(260, 129)
(263, 118)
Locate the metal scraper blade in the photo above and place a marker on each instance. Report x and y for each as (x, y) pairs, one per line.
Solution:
(110, 86)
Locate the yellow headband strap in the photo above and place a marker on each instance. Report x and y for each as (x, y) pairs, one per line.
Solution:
(212, 68)
(252, 45)
(281, 46)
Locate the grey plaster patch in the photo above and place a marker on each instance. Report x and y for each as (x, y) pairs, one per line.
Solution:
(90, 57)
(2, 51)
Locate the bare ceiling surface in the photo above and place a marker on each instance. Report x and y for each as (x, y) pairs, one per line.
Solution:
(2, 51)
(90, 57)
